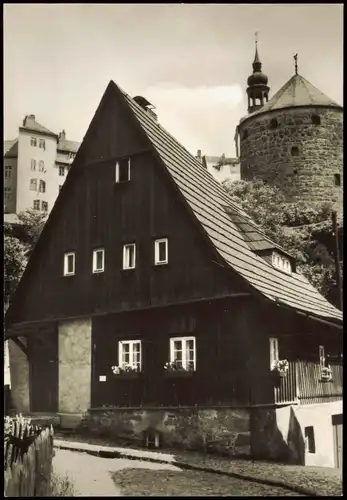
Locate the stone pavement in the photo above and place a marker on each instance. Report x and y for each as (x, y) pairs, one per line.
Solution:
(312, 481)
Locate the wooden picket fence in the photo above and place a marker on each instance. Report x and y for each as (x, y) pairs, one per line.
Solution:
(28, 462)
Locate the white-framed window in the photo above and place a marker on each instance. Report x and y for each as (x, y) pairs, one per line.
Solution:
(33, 184)
(8, 193)
(33, 165)
(322, 356)
(42, 144)
(129, 256)
(41, 166)
(71, 155)
(33, 142)
(98, 260)
(161, 251)
(61, 171)
(129, 353)
(44, 206)
(69, 263)
(42, 187)
(122, 171)
(8, 171)
(183, 352)
(310, 445)
(274, 356)
(281, 262)
(36, 205)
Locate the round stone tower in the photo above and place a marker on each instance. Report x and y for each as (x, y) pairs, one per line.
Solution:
(294, 141)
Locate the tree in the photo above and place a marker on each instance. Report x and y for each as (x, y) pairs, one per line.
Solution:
(19, 242)
(302, 230)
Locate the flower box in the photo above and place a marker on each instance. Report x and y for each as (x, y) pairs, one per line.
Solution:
(126, 375)
(326, 374)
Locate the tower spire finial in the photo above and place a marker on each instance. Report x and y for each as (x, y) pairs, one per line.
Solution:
(296, 63)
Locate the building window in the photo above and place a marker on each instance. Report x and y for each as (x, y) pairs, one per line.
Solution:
(41, 166)
(33, 142)
(42, 144)
(161, 251)
(129, 256)
(183, 352)
(295, 151)
(61, 171)
(322, 356)
(44, 206)
(337, 179)
(33, 165)
(274, 356)
(316, 120)
(60, 187)
(245, 134)
(129, 354)
(8, 193)
(98, 261)
(123, 170)
(273, 123)
(71, 156)
(310, 445)
(8, 172)
(33, 184)
(42, 187)
(69, 264)
(36, 204)
(281, 263)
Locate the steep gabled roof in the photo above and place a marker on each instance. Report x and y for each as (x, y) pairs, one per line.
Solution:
(66, 145)
(207, 199)
(227, 227)
(297, 91)
(11, 148)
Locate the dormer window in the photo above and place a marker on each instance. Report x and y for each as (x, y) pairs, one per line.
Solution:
(122, 172)
(281, 262)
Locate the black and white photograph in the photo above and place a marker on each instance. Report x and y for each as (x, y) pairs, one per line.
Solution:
(173, 249)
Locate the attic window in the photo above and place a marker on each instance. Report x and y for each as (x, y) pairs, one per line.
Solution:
(337, 179)
(123, 170)
(295, 151)
(316, 120)
(245, 134)
(282, 263)
(69, 264)
(273, 123)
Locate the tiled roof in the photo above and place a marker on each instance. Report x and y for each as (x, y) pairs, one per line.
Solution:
(212, 207)
(34, 126)
(65, 145)
(11, 148)
(296, 92)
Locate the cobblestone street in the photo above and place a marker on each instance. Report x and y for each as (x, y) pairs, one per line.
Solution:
(94, 476)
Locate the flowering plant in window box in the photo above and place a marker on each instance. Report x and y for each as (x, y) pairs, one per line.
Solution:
(177, 369)
(126, 371)
(326, 374)
(280, 367)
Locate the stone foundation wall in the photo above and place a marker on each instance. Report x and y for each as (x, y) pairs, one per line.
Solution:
(222, 430)
(19, 370)
(75, 365)
(279, 434)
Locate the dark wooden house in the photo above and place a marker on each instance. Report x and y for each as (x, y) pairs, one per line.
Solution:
(153, 304)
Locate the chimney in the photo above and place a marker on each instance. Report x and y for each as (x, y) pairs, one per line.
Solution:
(28, 117)
(146, 105)
(62, 135)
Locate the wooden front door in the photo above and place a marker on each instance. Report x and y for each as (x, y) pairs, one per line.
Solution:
(337, 436)
(43, 358)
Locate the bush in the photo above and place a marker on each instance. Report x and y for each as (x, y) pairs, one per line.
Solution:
(61, 486)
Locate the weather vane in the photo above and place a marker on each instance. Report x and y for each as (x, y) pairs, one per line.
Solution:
(296, 63)
(256, 36)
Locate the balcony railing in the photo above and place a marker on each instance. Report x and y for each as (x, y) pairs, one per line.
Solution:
(303, 384)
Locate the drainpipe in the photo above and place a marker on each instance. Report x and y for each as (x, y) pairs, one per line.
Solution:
(337, 258)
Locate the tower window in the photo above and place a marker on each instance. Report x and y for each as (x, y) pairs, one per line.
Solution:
(245, 134)
(295, 151)
(337, 179)
(123, 170)
(310, 444)
(295, 171)
(273, 123)
(316, 120)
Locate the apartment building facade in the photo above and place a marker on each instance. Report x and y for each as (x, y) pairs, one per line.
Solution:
(35, 167)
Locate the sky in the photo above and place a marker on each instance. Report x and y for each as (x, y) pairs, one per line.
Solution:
(190, 61)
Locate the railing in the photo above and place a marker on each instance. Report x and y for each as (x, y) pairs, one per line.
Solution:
(303, 384)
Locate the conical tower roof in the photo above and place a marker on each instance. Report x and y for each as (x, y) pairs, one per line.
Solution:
(297, 91)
